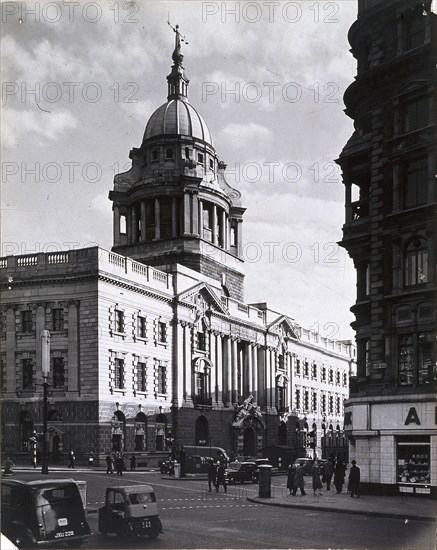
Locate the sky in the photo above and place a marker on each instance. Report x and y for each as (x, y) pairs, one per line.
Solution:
(81, 79)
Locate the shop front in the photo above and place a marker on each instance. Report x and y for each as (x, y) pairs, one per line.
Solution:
(414, 464)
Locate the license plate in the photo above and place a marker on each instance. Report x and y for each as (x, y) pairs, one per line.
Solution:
(64, 534)
(146, 524)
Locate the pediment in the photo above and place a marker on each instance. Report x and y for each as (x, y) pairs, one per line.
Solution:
(203, 297)
(285, 327)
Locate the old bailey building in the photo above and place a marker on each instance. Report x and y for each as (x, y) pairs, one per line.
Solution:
(152, 346)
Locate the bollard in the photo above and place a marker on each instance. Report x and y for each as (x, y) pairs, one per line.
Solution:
(177, 469)
(265, 485)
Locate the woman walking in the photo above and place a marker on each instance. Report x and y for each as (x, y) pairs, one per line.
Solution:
(290, 477)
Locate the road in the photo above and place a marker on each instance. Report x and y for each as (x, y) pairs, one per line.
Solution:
(194, 518)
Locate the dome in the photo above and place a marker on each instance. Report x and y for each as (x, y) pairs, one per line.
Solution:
(180, 118)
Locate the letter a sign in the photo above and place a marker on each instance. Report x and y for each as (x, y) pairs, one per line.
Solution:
(412, 417)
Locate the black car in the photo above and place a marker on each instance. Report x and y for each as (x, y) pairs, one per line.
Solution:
(240, 472)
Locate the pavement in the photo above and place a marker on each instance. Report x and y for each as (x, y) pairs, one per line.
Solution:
(406, 506)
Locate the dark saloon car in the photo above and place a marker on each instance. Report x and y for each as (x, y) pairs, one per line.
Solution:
(240, 472)
(43, 513)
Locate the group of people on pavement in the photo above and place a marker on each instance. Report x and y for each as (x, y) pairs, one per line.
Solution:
(331, 468)
(217, 475)
(117, 462)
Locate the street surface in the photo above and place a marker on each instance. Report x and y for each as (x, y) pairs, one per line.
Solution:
(194, 518)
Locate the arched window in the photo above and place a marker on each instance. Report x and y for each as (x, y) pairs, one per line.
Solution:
(416, 263)
(202, 431)
(281, 393)
(202, 382)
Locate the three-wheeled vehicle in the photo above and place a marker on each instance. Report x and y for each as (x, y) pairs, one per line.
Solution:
(130, 511)
(43, 513)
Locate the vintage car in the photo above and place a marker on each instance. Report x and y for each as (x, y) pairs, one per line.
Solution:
(241, 472)
(43, 513)
(130, 511)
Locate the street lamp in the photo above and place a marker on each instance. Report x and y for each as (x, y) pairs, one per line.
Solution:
(45, 367)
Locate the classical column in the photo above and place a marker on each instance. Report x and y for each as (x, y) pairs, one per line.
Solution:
(268, 378)
(174, 217)
(213, 375)
(128, 225)
(227, 382)
(187, 365)
(187, 213)
(143, 221)
(214, 224)
(234, 368)
(73, 347)
(223, 243)
(201, 219)
(116, 225)
(239, 230)
(219, 368)
(40, 325)
(195, 216)
(11, 375)
(255, 372)
(134, 223)
(157, 220)
(249, 350)
(179, 367)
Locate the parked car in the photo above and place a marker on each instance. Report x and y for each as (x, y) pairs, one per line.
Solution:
(130, 511)
(196, 464)
(43, 513)
(241, 472)
(307, 464)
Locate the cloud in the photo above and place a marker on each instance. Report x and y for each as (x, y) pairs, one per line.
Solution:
(244, 135)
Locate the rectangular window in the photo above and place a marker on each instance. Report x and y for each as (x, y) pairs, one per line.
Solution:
(416, 265)
(306, 400)
(26, 321)
(200, 158)
(413, 462)
(201, 341)
(407, 362)
(331, 405)
(416, 114)
(314, 401)
(119, 321)
(331, 376)
(57, 319)
(323, 374)
(416, 183)
(141, 371)
(169, 153)
(119, 374)
(337, 378)
(162, 332)
(162, 379)
(27, 374)
(58, 369)
(297, 398)
(314, 371)
(298, 366)
(323, 404)
(211, 164)
(155, 155)
(141, 327)
(306, 369)
(344, 379)
(337, 406)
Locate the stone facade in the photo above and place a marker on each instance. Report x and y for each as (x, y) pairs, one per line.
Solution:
(389, 174)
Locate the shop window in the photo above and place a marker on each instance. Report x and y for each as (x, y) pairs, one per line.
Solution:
(57, 319)
(26, 321)
(119, 374)
(27, 374)
(413, 462)
(141, 327)
(416, 263)
(415, 183)
(141, 377)
(58, 369)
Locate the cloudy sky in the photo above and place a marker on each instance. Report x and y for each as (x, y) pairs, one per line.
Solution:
(81, 79)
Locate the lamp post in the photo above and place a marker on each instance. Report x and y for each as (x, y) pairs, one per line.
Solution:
(45, 367)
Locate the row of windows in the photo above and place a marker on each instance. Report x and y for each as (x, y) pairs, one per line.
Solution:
(306, 401)
(57, 370)
(56, 325)
(120, 327)
(119, 378)
(305, 370)
(169, 154)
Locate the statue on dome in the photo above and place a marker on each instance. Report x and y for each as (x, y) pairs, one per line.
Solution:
(177, 55)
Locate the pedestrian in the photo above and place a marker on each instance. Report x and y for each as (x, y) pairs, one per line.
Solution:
(91, 459)
(119, 464)
(299, 482)
(133, 463)
(354, 480)
(212, 474)
(71, 459)
(109, 461)
(221, 478)
(290, 477)
(8, 466)
(339, 473)
(317, 484)
(327, 473)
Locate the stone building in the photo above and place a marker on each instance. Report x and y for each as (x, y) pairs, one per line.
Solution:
(152, 345)
(389, 175)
